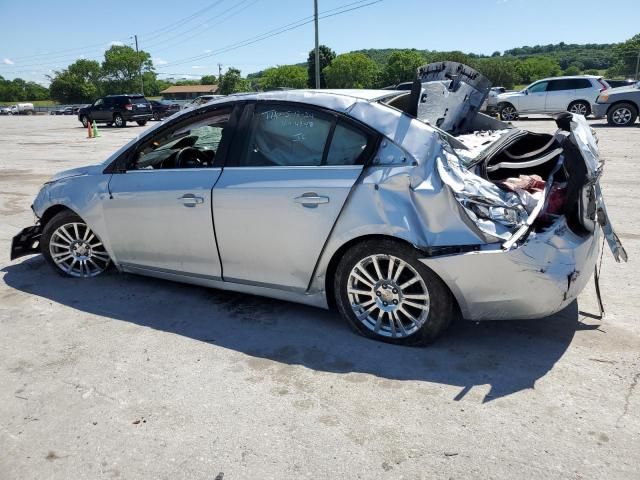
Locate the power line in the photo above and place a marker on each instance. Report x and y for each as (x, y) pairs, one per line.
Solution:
(277, 31)
(161, 31)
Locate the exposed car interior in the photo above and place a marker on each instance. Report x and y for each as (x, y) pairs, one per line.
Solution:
(192, 146)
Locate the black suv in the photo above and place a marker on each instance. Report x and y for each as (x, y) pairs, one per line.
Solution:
(117, 110)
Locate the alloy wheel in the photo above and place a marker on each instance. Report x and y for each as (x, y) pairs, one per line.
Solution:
(508, 113)
(77, 251)
(579, 109)
(388, 296)
(621, 116)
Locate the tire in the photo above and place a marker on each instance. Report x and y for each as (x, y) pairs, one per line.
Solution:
(85, 121)
(29, 113)
(156, 117)
(64, 234)
(507, 112)
(622, 115)
(118, 121)
(142, 123)
(580, 107)
(416, 321)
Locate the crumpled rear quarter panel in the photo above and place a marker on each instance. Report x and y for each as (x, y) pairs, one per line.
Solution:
(538, 279)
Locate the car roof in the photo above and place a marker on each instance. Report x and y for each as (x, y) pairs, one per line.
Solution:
(569, 77)
(304, 95)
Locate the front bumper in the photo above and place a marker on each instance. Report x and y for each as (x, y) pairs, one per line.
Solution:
(599, 109)
(537, 279)
(27, 242)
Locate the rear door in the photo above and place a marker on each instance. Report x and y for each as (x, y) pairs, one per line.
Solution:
(288, 175)
(560, 93)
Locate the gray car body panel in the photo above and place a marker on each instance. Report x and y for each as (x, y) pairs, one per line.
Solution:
(630, 94)
(400, 194)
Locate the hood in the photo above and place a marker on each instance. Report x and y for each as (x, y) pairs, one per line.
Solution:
(635, 88)
(509, 94)
(76, 172)
(449, 95)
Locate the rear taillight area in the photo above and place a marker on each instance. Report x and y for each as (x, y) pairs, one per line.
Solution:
(603, 85)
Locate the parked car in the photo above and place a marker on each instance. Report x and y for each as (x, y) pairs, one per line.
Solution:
(23, 109)
(59, 111)
(621, 83)
(352, 199)
(201, 100)
(490, 105)
(163, 108)
(117, 110)
(5, 110)
(574, 94)
(620, 105)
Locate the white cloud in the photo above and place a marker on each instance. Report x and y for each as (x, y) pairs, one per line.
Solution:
(207, 51)
(8, 61)
(198, 67)
(159, 61)
(116, 43)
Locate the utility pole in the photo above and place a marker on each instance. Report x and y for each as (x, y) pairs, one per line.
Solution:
(139, 66)
(315, 15)
(219, 73)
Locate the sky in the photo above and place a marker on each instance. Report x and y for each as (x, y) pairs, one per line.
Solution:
(189, 38)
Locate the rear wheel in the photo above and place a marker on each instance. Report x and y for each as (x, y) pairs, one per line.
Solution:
(508, 112)
(118, 121)
(580, 108)
(71, 247)
(622, 115)
(385, 293)
(142, 123)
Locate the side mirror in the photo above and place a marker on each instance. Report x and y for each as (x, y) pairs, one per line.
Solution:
(526, 92)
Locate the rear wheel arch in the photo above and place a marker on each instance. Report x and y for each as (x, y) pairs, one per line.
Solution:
(332, 267)
(619, 102)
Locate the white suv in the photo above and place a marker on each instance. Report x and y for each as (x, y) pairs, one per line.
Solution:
(552, 95)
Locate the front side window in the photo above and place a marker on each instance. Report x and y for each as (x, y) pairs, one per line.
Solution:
(193, 143)
(98, 102)
(282, 135)
(538, 87)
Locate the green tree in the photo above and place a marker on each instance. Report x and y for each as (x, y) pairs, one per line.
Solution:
(18, 90)
(78, 83)
(121, 67)
(326, 57)
(232, 82)
(626, 55)
(352, 70)
(535, 68)
(500, 71)
(574, 69)
(209, 80)
(402, 66)
(284, 76)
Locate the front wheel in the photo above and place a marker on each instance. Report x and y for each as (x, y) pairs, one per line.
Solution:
(85, 121)
(71, 247)
(580, 108)
(508, 112)
(622, 115)
(385, 293)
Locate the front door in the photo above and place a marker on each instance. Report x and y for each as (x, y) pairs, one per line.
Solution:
(535, 98)
(159, 213)
(284, 185)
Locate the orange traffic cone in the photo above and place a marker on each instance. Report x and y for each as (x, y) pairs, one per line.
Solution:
(89, 130)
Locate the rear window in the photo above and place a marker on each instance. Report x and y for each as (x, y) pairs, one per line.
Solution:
(137, 99)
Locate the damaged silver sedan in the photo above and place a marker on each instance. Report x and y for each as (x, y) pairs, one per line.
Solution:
(399, 209)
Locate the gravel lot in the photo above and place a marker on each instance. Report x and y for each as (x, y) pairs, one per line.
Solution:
(129, 377)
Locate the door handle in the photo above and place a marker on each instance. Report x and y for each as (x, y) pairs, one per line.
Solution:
(311, 199)
(190, 200)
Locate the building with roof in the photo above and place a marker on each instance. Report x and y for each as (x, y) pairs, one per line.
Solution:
(188, 92)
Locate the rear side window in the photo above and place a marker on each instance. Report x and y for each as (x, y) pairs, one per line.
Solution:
(582, 83)
(348, 146)
(282, 135)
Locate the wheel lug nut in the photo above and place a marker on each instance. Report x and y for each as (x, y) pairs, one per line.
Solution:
(385, 304)
(378, 293)
(395, 302)
(395, 290)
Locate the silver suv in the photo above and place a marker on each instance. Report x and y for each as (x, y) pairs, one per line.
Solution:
(552, 95)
